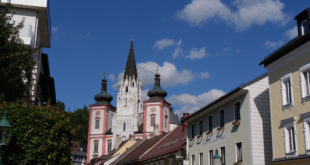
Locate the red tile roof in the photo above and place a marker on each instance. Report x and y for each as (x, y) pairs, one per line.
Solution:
(133, 156)
(172, 142)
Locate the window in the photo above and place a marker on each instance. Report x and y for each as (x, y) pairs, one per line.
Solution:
(306, 119)
(193, 130)
(171, 161)
(95, 146)
(152, 120)
(221, 118)
(305, 80)
(124, 126)
(126, 88)
(201, 159)
(290, 139)
(133, 84)
(286, 89)
(210, 123)
(109, 146)
(200, 127)
(239, 152)
(223, 157)
(166, 121)
(304, 27)
(193, 159)
(97, 123)
(210, 157)
(237, 111)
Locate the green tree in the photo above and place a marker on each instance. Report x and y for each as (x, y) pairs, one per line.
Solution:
(40, 135)
(79, 123)
(16, 61)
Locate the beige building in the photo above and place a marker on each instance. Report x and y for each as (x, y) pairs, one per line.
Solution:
(289, 83)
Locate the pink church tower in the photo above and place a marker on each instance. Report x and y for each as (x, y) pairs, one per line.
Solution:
(100, 124)
(156, 111)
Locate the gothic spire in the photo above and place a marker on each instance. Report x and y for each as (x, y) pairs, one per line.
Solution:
(131, 69)
(103, 97)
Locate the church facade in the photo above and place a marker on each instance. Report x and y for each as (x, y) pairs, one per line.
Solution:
(110, 126)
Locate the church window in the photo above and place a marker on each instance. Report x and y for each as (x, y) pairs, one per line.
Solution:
(96, 146)
(97, 123)
(153, 120)
(109, 146)
(133, 84)
(126, 88)
(124, 126)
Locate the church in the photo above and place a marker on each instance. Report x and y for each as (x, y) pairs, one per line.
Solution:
(132, 117)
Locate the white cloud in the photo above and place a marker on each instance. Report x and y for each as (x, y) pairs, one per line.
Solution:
(170, 75)
(54, 29)
(291, 33)
(203, 75)
(111, 77)
(178, 50)
(273, 44)
(191, 103)
(163, 43)
(197, 53)
(242, 15)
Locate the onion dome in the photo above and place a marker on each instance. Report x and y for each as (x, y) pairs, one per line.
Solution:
(103, 97)
(157, 93)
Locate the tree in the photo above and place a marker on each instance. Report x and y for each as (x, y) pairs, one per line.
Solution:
(79, 123)
(40, 135)
(16, 61)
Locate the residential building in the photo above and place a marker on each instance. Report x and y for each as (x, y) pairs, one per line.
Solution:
(237, 125)
(36, 34)
(289, 71)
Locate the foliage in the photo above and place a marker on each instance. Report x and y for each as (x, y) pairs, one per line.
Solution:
(79, 123)
(15, 59)
(40, 135)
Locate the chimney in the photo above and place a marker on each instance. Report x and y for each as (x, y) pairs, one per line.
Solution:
(184, 124)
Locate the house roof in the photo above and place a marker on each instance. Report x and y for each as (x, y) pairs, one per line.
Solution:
(133, 156)
(285, 49)
(172, 142)
(229, 94)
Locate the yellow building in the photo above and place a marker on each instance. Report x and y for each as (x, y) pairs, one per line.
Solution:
(289, 83)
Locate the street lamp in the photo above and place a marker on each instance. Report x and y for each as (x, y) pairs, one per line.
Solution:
(4, 131)
(216, 158)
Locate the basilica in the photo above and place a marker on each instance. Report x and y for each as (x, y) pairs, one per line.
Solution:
(132, 117)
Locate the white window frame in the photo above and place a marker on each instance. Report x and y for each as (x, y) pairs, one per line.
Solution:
(284, 79)
(306, 120)
(287, 125)
(304, 81)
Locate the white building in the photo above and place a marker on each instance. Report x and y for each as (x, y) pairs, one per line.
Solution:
(36, 34)
(110, 126)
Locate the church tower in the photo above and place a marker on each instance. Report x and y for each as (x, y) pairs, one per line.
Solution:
(156, 111)
(100, 123)
(129, 113)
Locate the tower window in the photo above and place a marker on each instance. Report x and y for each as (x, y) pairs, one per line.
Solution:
(133, 84)
(166, 121)
(153, 120)
(97, 123)
(109, 146)
(124, 126)
(96, 147)
(126, 88)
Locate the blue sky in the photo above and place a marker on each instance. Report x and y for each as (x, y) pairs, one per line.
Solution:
(203, 48)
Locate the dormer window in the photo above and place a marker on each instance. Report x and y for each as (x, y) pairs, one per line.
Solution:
(304, 27)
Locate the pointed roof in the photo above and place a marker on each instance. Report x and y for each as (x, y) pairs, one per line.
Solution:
(103, 97)
(131, 69)
(157, 93)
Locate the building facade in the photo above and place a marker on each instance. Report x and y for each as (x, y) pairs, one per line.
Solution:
(289, 72)
(237, 125)
(36, 34)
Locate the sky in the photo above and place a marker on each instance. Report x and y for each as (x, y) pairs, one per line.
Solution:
(203, 48)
